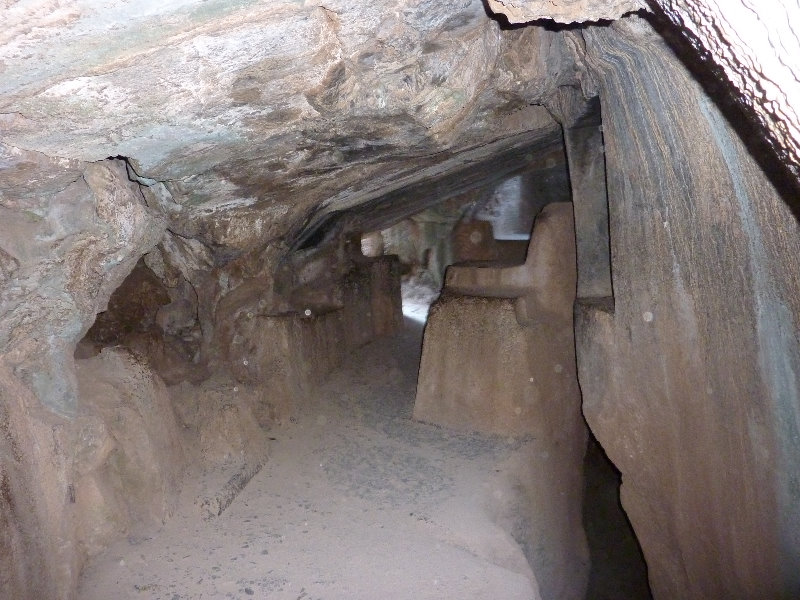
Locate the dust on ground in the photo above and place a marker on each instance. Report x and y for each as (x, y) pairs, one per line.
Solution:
(356, 501)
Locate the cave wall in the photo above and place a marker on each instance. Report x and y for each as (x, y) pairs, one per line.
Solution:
(70, 232)
(71, 237)
(290, 354)
(91, 448)
(690, 381)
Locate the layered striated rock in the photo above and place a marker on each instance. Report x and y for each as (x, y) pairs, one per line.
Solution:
(751, 47)
(690, 377)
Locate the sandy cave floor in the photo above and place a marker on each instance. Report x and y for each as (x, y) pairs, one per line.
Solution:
(356, 501)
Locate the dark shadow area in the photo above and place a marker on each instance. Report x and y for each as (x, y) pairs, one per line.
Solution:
(724, 94)
(618, 570)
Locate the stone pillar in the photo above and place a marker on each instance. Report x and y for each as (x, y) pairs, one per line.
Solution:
(498, 356)
(587, 173)
(690, 380)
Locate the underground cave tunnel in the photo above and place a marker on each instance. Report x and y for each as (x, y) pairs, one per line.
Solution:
(213, 215)
(418, 249)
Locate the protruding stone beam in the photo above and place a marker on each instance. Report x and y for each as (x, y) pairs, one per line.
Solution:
(564, 11)
(587, 173)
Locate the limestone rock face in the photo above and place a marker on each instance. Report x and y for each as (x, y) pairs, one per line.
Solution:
(129, 457)
(224, 421)
(564, 11)
(260, 110)
(690, 378)
(69, 235)
(239, 128)
(752, 45)
(132, 308)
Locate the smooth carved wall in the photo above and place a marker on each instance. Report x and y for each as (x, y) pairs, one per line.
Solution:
(691, 380)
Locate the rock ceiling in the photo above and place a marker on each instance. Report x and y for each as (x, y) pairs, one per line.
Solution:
(251, 121)
(246, 109)
(564, 11)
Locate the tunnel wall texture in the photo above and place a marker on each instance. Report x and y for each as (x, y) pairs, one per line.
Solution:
(290, 354)
(691, 381)
(70, 234)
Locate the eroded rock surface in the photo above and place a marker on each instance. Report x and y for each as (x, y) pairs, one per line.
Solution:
(130, 457)
(40, 557)
(71, 233)
(261, 111)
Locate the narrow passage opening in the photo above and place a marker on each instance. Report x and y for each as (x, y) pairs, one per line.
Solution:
(351, 480)
(618, 567)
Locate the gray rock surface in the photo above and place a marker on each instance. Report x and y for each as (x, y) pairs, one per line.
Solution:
(690, 375)
(70, 233)
(271, 108)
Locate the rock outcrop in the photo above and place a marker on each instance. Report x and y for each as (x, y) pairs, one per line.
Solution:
(70, 234)
(564, 11)
(306, 345)
(751, 47)
(690, 377)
